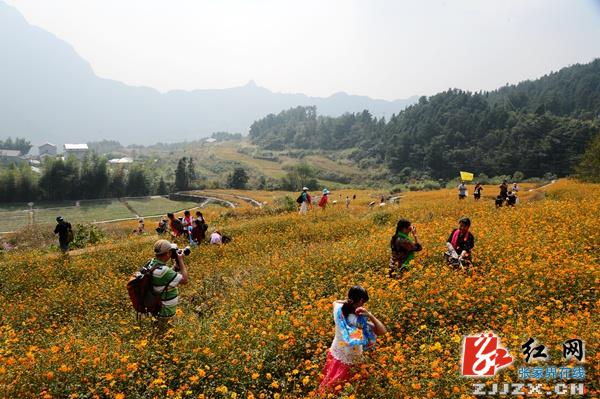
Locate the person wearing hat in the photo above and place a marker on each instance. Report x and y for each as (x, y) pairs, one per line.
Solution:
(324, 199)
(305, 200)
(65, 233)
(166, 279)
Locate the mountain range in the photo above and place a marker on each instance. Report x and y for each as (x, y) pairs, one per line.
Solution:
(50, 93)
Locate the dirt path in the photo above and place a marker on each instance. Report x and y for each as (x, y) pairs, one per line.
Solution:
(101, 247)
(544, 186)
(249, 200)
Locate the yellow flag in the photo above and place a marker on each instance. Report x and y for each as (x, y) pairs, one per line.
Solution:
(466, 176)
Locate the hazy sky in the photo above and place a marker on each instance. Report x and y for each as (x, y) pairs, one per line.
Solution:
(383, 49)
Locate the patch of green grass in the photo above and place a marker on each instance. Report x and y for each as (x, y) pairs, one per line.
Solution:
(159, 205)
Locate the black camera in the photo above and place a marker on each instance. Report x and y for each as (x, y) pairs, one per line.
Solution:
(177, 251)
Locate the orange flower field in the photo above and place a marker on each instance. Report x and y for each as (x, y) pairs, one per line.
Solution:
(255, 321)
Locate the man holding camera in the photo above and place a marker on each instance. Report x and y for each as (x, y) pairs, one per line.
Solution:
(165, 279)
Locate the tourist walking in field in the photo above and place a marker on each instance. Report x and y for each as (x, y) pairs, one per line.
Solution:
(460, 243)
(324, 199)
(356, 329)
(504, 190)
(515, 188)
(197, 235)
(305, 201)
(477, 191)
(175, 225)
(165, 279)
(65, 233)
(403, 247)
(462, 190)
(347, 202)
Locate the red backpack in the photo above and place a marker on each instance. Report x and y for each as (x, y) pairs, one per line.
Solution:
(141, 292)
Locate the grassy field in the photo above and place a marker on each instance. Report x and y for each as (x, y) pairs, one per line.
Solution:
(87, 212)
(255, 319)
(158, 205)
(90, 211)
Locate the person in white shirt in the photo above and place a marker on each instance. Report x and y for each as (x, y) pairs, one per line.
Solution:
(355, 329)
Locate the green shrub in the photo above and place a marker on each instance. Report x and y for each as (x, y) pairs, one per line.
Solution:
(381, 218)
(86, 234)
(286, 203)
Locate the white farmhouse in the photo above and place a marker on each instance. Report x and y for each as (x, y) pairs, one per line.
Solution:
(77, 150)
(10, 156)
(47, 150)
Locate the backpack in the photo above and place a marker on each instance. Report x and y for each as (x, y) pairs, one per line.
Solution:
(70, 235)
(299, 199)
(141, 293)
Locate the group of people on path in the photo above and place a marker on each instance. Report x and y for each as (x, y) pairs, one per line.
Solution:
(306, 201)
(505, 196)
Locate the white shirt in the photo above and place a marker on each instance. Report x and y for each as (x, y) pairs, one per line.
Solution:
(339, 349)
(215, 238)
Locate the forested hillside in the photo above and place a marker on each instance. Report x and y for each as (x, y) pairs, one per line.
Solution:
(535, 127)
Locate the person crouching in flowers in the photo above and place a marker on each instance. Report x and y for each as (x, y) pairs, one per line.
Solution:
(356, 329)
(460, 243)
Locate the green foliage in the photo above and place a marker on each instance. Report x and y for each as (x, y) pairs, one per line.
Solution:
(382, 218)
(298, 176)
(225, 136)
(162, 188)
(589, 167)
(535, 127)
(137, 182)
(19, 144)
(18, 184)
(105, 146)
(182, 175)
(518, 176)
(286, 203)
(238, 179)
(86, 234)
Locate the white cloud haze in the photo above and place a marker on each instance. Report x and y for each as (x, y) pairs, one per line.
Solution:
(384, 49)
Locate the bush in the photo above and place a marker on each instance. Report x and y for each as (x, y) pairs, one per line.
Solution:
(381, 218)
(86, 234)
(286, 203)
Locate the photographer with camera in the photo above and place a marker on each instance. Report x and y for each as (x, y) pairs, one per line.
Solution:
(165, 279)
(403, 247)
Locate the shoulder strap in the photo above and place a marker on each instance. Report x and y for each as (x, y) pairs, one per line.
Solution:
(167, 285)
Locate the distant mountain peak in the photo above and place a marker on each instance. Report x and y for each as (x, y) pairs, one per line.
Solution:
(50, 93)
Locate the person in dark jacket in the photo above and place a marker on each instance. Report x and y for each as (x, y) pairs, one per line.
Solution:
(504, 190)
(197, 235)
(176, 225)
(403, 247)
(63, 228)
(460, 244)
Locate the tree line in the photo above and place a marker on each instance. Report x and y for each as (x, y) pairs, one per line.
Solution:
(71, 179)
(19, 144)
(536, 127)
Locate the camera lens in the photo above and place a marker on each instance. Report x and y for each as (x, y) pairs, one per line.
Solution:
(187, 251)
